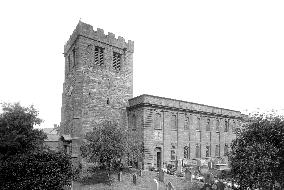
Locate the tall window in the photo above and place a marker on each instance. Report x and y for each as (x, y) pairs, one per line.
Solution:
(198, 127)
(74, 57)
(217, 125)
(234, 127)
(217, 150)
(186, 123)
(174, 122)
(186, 152)
(208, 125)
(158, 121)
(116, 61)
(208, 151)
(134, 123)
(99, 55)
(69, 62)
(218, 136)
(226, 126)
(198, 136)
(226, 150)
(198, 151)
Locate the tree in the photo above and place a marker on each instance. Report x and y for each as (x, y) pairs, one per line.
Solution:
(105, 145)
(16, 130)
(25, 163)
(257, 155)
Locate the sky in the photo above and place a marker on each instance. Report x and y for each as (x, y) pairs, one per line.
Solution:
(227, 54)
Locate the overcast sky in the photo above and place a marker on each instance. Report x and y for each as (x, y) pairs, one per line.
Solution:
(227, 54)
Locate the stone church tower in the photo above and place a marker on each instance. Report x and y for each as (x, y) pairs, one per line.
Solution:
(98, 80)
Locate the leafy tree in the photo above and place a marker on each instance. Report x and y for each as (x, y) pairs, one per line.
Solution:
(105, 145)
(39, 170)
(25, 163)
(257, 156)
(16, 130)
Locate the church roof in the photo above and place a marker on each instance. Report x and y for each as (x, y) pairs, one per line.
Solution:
(173, 104)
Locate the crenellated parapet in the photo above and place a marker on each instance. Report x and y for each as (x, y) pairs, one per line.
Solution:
(86, 30)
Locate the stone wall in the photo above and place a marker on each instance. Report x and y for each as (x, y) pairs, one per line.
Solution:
(165, 138)
(92, 92)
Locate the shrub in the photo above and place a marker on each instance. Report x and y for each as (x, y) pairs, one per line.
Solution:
(41, 170)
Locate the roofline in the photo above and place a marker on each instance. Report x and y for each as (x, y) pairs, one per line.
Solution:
(143, 95)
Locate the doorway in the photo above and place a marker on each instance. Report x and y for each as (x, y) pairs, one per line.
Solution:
(158, 157)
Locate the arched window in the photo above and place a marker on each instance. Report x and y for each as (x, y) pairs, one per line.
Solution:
(226, 150)
(226, 126)
(217, 151)
(217, 125)
(198, 151)
(208, 151)
(208, 125)
(186, 123)
(158, 122)
(174, 122)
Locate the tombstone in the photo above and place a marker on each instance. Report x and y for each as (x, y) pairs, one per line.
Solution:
(214, 186)
(140, 172)
(155, 185)
(220, 185)
(161, 175)
(134, 179)
(179, 166)
(187, 175)
(120, 176)
(169, 186)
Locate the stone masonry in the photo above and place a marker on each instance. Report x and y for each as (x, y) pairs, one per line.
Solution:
(182, 130)
(98, 86)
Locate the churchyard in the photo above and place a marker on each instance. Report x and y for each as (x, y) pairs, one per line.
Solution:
(129, 179)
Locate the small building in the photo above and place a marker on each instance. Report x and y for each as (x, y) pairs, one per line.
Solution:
(52, 140)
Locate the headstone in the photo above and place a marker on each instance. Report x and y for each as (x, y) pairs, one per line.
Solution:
(206, 187)
(170, 186)
(134, 179)
(140, 172)
(179, 166)
(214, 186)
(120, 176)
(187, 175)
(220, 186)
(161, 175)
(155, 185)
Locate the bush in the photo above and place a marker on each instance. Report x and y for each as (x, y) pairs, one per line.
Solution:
(41, 170)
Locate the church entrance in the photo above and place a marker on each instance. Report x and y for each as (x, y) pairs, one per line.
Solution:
(158, 158)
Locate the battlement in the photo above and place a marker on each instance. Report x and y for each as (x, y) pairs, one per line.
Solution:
(86, 30)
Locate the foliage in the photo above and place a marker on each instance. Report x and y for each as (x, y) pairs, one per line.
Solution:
(257, 156)
(25, 163)
(16, 130)
(105, 145)
(40, 170)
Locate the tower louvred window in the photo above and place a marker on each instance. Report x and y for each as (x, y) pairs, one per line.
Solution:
(99, 55)
(116, 61)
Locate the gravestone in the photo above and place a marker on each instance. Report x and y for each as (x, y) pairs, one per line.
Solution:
(134, 179)
(140, 172)
(155, 185)
(220, 185)
(170, 186)
(206, 187)
(188, 175)
(161, 175)
(120, 176)
(179, 166)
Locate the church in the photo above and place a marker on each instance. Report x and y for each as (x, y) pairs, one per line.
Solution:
(98, 86)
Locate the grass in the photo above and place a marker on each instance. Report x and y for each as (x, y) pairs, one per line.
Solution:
(101, 180)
